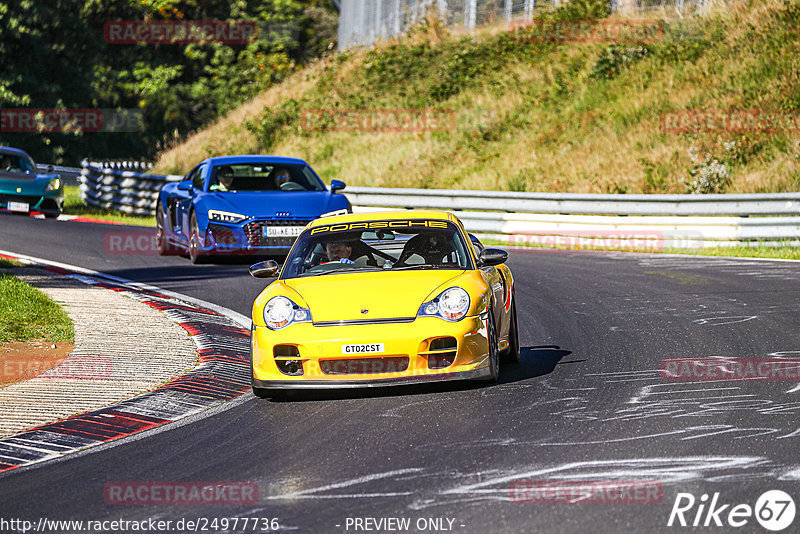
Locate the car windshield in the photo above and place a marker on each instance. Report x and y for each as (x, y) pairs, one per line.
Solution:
(263, 177)
(15, 163)
(397, 245)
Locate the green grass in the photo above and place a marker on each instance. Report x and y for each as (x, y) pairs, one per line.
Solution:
(784, 253)
(27, 314)
(73, 205)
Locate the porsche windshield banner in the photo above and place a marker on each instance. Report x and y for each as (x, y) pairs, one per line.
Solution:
(378, 225)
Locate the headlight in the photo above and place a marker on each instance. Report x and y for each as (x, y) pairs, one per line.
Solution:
(53, 185)
(280, 312)
(225, 216)
(451, 305)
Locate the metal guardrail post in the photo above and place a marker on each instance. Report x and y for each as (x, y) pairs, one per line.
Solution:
(127, 191)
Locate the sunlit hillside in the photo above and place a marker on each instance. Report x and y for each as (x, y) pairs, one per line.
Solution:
(530, 115)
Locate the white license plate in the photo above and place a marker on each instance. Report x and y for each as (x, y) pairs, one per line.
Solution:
(19, 206)
(282, 231)
(363, 348)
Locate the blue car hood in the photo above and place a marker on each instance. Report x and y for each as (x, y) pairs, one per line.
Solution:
(303, 204)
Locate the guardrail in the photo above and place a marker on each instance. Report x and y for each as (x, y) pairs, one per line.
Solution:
(579, 203)
(69, 175)
(127, 191)
(561, 219)
(610, 221)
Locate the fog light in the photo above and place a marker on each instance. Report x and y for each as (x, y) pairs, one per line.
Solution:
(290, 367)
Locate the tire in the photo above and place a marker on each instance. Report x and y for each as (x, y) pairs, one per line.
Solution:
(161, 233)
(194, 242)
(511, 354)
(494, 354)
(51, 215)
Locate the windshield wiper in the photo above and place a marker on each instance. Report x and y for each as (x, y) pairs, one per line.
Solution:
(343, 270)
(426, 266)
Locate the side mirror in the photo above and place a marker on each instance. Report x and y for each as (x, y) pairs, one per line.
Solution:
(337, 185)
(264, 269)
(186, 186)
(492, 256)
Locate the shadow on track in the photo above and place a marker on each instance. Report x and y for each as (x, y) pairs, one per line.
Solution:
(534, 362)
(178, 273)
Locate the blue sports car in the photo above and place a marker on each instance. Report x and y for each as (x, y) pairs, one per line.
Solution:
(23, 190)
(242, 205)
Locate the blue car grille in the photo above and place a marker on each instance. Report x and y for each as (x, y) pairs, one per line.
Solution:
(223, 235)
(255, 233)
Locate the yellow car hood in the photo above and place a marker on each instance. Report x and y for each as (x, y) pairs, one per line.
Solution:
(343, 297)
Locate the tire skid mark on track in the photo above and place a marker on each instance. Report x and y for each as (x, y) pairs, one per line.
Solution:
(222, 374)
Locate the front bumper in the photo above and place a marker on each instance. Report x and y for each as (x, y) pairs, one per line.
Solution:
(319, 348)
(49, 202)
(477, 374)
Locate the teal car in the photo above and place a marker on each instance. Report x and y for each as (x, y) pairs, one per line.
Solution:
(23, 190)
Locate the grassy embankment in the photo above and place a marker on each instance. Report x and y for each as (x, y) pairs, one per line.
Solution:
(537, 116)
(27, 314)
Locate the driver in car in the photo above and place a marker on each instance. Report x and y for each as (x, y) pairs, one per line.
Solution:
(225, 178)
(5, 164)
(338, 252)
(282, 177)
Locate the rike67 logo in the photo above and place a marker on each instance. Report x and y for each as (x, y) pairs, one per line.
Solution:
(774, 510)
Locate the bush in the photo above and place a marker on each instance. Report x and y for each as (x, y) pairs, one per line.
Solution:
(614, 58)
(272, 120)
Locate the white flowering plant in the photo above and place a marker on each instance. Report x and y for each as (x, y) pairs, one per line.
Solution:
(709, 174)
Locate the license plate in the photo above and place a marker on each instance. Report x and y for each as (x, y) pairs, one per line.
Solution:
(19, 206)
(282, 231)
(363, 348)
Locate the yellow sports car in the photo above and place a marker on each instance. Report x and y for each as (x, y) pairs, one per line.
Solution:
(380, 299)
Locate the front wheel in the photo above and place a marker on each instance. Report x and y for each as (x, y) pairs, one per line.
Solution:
(511, 354)
(194, 242)
(494, 354)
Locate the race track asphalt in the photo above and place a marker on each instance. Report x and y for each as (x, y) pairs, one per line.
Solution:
(587, 404)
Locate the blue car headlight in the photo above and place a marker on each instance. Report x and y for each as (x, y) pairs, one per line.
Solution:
(53, 185)
(280, 312)
(225, 216)
(451, 305)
